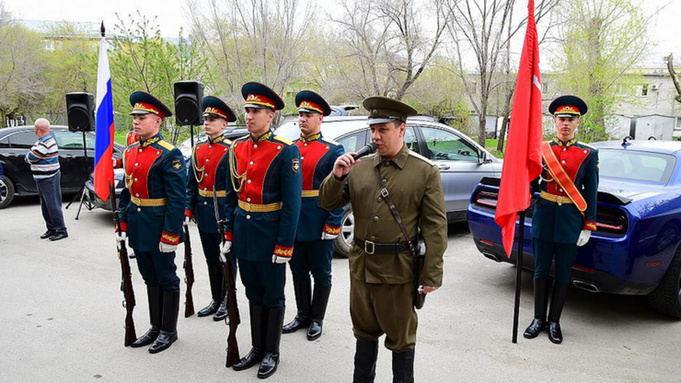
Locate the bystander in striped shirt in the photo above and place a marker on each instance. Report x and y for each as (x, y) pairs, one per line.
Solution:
(44, 158)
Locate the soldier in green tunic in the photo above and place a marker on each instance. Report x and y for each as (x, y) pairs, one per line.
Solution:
(381, 264)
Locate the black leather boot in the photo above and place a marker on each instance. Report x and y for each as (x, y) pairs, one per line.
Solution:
(320, 300)
(268, 366)
(257, 334)
(168, 335)
(403, 366)
(155, 298)
(303, 290)
(215, 280)
(365, 361)
(540, 301)
(560, 290)
(221, 313)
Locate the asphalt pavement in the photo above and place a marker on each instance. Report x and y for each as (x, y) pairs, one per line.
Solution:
(61, 320)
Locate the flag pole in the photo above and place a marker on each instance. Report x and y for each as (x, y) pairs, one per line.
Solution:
(518, 274)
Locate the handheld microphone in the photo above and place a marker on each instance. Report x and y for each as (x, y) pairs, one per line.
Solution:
(364, 151)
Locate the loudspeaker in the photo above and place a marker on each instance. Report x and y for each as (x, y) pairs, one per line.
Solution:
(188, 98)
(80, 111)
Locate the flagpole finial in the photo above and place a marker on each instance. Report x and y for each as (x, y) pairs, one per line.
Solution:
(102, 29)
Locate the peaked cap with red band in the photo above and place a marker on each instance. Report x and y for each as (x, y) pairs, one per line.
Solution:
(144, 103)
(216, 108)
(260, 96)
(310, 102)
(568, 106)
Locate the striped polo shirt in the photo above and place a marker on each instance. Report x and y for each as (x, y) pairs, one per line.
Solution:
(44, 157)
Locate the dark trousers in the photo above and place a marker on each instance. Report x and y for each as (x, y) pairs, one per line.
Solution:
(49, 190)
(312, 257)
(210, 242)
(158, 269)
(544, 252)
(264, 282)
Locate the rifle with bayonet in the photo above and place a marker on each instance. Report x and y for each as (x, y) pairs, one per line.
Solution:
(188, 274)
(126, 276)
(230, 292)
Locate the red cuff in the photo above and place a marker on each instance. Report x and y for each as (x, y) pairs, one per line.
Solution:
(228, 236)
(188, 213)
(282, 251)
(331, 229)
(589, 225)
(124, 227)
(172, 239)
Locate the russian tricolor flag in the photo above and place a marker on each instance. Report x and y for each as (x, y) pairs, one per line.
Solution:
(104, 125)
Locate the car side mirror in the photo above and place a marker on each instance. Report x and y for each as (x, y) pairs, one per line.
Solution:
(482, 157)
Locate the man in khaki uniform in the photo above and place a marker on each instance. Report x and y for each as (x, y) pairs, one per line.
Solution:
(381, 264)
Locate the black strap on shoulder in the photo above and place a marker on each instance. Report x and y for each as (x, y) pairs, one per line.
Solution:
(396, 214)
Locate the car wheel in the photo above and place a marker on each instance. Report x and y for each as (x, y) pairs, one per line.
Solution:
(666, 297)
(344, 240)
(7, 190)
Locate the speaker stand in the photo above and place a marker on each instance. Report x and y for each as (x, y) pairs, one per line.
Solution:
(83, 192)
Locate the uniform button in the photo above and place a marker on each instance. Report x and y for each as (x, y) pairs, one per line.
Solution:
(278, 147)
(206, 159)
(249, 181)
(137, 194)
(205, 202)
(248, 199)
(140, 150)
(563, 161)
(585, 152)
(248, 217)
(210, 146)
(560, 190)
(564, 149)
(385, 181)
(137, 164)
(206, 189)
(158, 152)
(255, 146)
(387, 163)
(135, 179)
(226, 149)
(301, 157)
(205, 174)
(327, 147)
(305, 144)
(380, 199)
(139, 210)
(373, 237)
(375, 218)
(250, 163)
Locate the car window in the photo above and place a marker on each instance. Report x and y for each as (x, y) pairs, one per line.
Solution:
(23, 140)
(4, 143)
(353, 142)
(410, 139)
(635, 166)
(444, 145)
(72, 141)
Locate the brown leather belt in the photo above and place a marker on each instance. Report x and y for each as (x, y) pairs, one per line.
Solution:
(209, 193)
(260, 208)
(371, 247)
(149, 201)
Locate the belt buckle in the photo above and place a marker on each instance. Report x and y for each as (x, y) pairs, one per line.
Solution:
(373, 247)
(559, 200)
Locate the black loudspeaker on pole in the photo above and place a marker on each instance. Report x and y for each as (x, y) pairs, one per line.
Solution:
(188, 98)
(80, 111)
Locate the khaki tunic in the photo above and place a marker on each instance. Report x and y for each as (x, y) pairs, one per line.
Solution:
(378, 280)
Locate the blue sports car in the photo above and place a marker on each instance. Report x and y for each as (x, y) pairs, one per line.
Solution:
(636, 248)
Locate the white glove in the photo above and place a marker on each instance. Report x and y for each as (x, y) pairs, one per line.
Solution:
(279, 259)
(224, 250)
(120, 238)
(187, 220)
(326, 236)
(166, 247)
(583, 237)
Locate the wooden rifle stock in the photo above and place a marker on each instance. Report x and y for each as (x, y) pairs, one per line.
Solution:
(126, 277)
(188, 274)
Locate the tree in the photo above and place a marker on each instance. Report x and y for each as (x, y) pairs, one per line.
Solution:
(600, 40)
(390, 42)
(485, 28)
(672, 73)
(142, 60)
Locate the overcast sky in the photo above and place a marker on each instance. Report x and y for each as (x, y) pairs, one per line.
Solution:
(665, 29)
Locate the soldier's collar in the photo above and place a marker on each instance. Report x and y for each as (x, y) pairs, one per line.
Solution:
(217, 139)
(568, 143)
(156, 138)
(313, 137)
(262, 138)
(400, 159)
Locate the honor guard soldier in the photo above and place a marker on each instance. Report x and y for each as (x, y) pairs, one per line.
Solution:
(151, 212)
(208, 177)
(382, 280)
(564, 214)
(262, 209)
(317, 227)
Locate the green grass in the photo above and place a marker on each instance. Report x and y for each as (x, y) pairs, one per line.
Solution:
(491, 146)
(119, 136)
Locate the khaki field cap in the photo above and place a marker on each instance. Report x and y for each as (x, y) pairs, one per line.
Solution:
(383, 109)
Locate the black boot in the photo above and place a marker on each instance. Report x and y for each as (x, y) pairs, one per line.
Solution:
(155, 298)
(403, 366)
(303, 290)
(560, 290)
(540, 301)
(221, 313)
(320, 299)
(268, 366)
(365, 361)
(168, 335)
(215, 280)
(257, 334)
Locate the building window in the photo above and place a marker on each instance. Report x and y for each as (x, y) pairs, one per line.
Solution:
(644, 90)
(678, 123)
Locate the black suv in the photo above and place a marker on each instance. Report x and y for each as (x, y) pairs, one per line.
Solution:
(17, 141)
